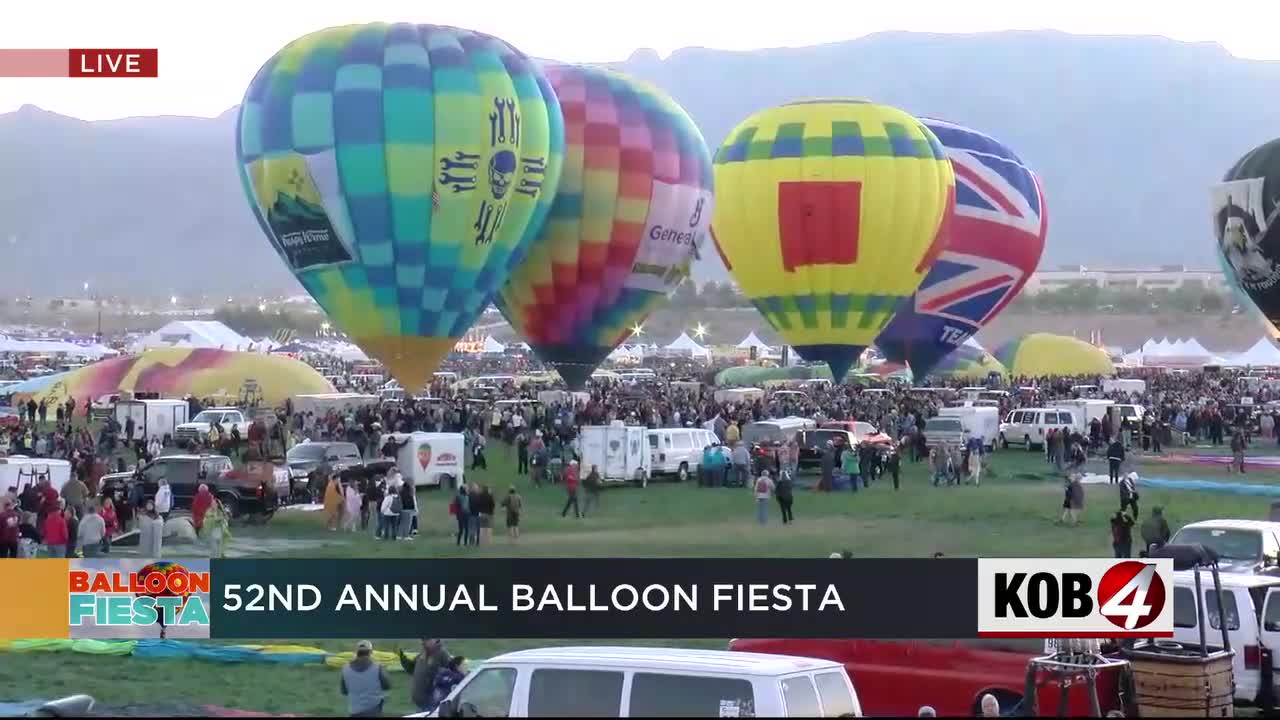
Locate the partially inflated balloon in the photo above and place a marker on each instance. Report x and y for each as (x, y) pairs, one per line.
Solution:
(1246, 219)
(828, 215)
(993, 244)
(633, 206)
(400, 171)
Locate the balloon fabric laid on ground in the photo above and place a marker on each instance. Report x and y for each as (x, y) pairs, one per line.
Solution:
(631, 211)
(1246, 222)
(1045, 355)
(400, 171)
(828, 215)
(993, 245)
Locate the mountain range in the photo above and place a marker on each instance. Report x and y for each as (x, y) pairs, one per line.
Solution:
(1126, 132)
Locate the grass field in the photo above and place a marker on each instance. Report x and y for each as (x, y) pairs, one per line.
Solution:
(1013, 513)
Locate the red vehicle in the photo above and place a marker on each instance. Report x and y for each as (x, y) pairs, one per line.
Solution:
(898, 677)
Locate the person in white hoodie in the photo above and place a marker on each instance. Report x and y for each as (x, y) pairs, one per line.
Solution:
(389, 512)
(155, 447)
(164, 499)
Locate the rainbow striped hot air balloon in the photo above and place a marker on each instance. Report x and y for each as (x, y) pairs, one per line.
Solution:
(632, 209)
(828, 215)
(400, 171)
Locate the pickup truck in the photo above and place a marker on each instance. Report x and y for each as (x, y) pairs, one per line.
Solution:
(239, 491)
(198, 428)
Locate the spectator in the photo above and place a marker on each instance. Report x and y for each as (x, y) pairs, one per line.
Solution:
(364, 683)
(423, 670)
(763, 491)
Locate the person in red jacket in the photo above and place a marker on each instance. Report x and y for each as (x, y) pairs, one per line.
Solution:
(9, 532)
(54, 533)
(110, 521)
(571, 489)
(200, 505)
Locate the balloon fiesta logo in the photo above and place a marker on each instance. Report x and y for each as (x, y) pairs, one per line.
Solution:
(163, 593)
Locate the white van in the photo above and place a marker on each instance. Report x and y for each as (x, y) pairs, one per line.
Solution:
(738, 395)
(1125, 385)
(652, 682)
(1028, 427)
(955, 425)
(775, 431)
(1251, 608)
(1085, 411)
(1243, 546)
(678, 451)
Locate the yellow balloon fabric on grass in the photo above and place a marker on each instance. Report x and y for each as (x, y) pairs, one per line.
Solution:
(828, 214)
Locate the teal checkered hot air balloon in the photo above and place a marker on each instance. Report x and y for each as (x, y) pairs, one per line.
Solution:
(401, 172)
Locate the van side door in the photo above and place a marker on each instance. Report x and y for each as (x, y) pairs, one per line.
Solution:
(1269, 632)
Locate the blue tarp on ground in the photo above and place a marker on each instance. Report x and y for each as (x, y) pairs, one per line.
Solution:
(177, 649)
(1213, 486)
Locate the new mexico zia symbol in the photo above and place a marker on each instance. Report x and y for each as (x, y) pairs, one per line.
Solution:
(504, 142)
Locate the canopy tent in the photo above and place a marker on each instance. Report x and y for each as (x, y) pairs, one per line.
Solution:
(54, 347)
(198, 372)
(206, 334)
(492, 347)
(1045, 354)
(1262, 354)
(752, 341)
(685, 346)
(1179, 353)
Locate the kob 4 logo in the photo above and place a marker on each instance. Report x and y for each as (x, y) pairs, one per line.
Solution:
(1075, 598)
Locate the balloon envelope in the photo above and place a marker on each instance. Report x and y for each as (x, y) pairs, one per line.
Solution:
(400, 171)
(1246, 221)
(993, 244)
(632, 208)
(1045, 354)
(827, 215)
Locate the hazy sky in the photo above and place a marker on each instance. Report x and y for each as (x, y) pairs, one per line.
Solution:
(209, 51)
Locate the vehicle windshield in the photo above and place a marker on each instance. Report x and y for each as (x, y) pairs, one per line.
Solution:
(208, 417)
(943, 425)
(306, 451)
(1230, 544)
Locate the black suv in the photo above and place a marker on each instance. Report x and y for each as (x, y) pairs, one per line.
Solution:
(814, 442)
(306, 459)
(185, 474)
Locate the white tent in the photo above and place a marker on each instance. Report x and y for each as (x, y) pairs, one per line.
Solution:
(54, 347)
(1263, 354)
(206, 334)
(686, 346)
(753, 341)
(493, 347)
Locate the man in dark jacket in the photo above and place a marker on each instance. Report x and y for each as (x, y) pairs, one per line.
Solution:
(1155, 530)
(1115, 458)
(423, 669)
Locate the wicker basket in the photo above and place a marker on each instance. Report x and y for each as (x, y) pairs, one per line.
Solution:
(1174, 682)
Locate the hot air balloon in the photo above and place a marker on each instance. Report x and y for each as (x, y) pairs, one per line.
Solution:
(400, 171)
(1246, 220)
(993, 244)
(633, 206)
(1242, 299)
(828, 215)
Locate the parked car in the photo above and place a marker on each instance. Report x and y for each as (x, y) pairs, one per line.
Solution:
(202, 423)
(652, 682)
(813, 442)
(306, 458)
(9, 418)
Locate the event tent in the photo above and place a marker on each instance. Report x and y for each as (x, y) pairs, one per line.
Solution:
(54, 347)
(753, 341)
(686, 346)
(1262, 354)
(208, 334)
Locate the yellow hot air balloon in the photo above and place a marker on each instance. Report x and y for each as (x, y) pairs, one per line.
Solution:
(828, 214)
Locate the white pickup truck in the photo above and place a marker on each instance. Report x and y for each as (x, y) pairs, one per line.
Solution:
(227, 417)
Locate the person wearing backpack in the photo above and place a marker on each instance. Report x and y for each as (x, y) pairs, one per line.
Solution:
(763, 491)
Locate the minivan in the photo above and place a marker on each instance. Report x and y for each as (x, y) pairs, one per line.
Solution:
(1251, 608)
(652, 682)
(1028, 427)
(678, 451)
